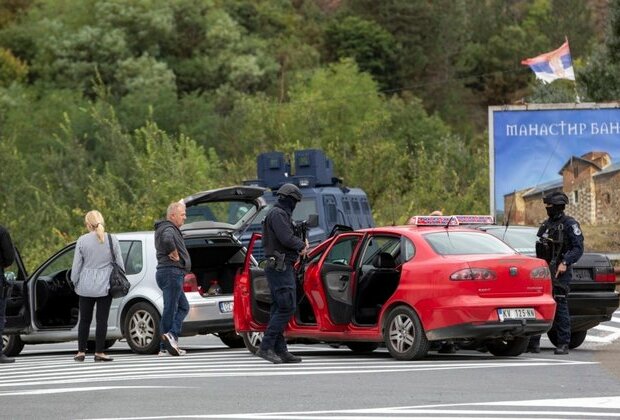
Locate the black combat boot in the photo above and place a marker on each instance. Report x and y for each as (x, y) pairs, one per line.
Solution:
(269, 355)
(561, 349)
(5, 359)
(289, 357)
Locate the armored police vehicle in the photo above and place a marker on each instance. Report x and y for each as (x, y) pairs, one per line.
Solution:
(323, 194)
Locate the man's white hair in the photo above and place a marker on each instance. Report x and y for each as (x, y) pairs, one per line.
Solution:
(174, 207)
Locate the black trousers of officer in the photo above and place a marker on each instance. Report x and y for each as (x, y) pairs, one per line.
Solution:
(283, 295)
(561, 321)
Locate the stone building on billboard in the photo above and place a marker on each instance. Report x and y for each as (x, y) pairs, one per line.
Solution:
(592, 183)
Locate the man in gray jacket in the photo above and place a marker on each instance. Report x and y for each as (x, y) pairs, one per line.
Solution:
(173, 262)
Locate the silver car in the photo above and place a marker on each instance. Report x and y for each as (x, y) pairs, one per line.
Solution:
(43, 308)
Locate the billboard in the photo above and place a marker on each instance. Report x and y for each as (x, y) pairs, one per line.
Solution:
(536, 149)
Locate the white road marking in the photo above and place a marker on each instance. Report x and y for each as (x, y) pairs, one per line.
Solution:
(597, 335)
(47, 391)
(61, 370)
(597, 407)
(603, 327)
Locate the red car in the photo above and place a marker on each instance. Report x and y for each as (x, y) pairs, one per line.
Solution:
(407, 286)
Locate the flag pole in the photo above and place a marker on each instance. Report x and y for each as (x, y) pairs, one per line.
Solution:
(577, 98)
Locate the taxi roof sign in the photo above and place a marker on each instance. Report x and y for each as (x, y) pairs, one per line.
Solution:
(451, 220)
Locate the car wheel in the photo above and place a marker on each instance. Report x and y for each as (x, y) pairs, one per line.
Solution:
(404, 336)
(91, 344)
(513, 347)
(360, 347)
(576, 338)
(12, 345)
(142, 328)
(232, 339)
(252, 340)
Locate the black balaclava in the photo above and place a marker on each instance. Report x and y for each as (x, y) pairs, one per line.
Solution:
(287, 202)
(555, 211)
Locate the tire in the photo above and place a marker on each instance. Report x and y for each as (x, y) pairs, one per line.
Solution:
(90, 344)
(362, 347)
(252, 340)
(141, 328)
(404, 336)
(12, 345)
(512, 347)
(232, 339)
(576, 338)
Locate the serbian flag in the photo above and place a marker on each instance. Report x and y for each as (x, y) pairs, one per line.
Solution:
(553, 65)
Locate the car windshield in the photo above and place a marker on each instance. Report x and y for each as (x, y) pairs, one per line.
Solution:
(523, 240)
(466, 243)
(230, 212)
(303, 209)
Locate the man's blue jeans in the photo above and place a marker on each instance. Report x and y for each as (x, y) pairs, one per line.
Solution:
(176, 307)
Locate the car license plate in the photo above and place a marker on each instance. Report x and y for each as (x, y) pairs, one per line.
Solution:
(226, 307)
(516, 313)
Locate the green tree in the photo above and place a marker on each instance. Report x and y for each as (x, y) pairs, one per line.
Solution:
(601, 75)
(12, 69)
(371, 46)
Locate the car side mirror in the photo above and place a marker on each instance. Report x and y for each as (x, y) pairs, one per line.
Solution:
(313, 220)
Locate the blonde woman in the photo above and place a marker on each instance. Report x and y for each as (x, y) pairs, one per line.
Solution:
(92, 264)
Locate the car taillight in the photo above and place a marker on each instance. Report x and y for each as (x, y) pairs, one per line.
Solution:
(473, 274)
(190, 284)
(540, 273)
(605, 275)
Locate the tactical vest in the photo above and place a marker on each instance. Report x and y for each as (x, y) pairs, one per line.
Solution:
(553, 241)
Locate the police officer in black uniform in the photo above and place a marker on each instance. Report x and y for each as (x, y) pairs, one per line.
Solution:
(560, 243)
(7, 256)
(282, 249)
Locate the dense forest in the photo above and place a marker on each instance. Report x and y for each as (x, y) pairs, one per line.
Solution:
(126, 105)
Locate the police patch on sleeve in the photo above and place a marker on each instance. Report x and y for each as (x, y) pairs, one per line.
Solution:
(576, 229)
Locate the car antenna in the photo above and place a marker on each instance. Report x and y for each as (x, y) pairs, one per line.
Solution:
(507, 221)
(449, 221)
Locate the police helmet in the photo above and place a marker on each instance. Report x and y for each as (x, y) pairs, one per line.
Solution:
(556, 198)
(290, 190)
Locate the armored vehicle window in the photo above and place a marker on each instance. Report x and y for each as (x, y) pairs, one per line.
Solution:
(365, 206)
(305, 208)
(346, 205)
(329, 202)
(356, 206)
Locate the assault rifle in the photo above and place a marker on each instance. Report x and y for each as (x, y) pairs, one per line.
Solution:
(301, 231)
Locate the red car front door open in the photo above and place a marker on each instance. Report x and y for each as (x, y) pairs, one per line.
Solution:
(328, 286)
(336, 283)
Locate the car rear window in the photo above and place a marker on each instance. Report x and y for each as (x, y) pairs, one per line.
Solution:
(464, 243)
(230, 212)
(523, 240)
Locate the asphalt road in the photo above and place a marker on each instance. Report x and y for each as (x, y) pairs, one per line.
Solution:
(213, 381)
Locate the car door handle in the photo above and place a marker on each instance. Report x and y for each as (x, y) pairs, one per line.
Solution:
(344, 280)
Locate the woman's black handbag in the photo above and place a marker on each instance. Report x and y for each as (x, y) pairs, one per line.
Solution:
(119, 285)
